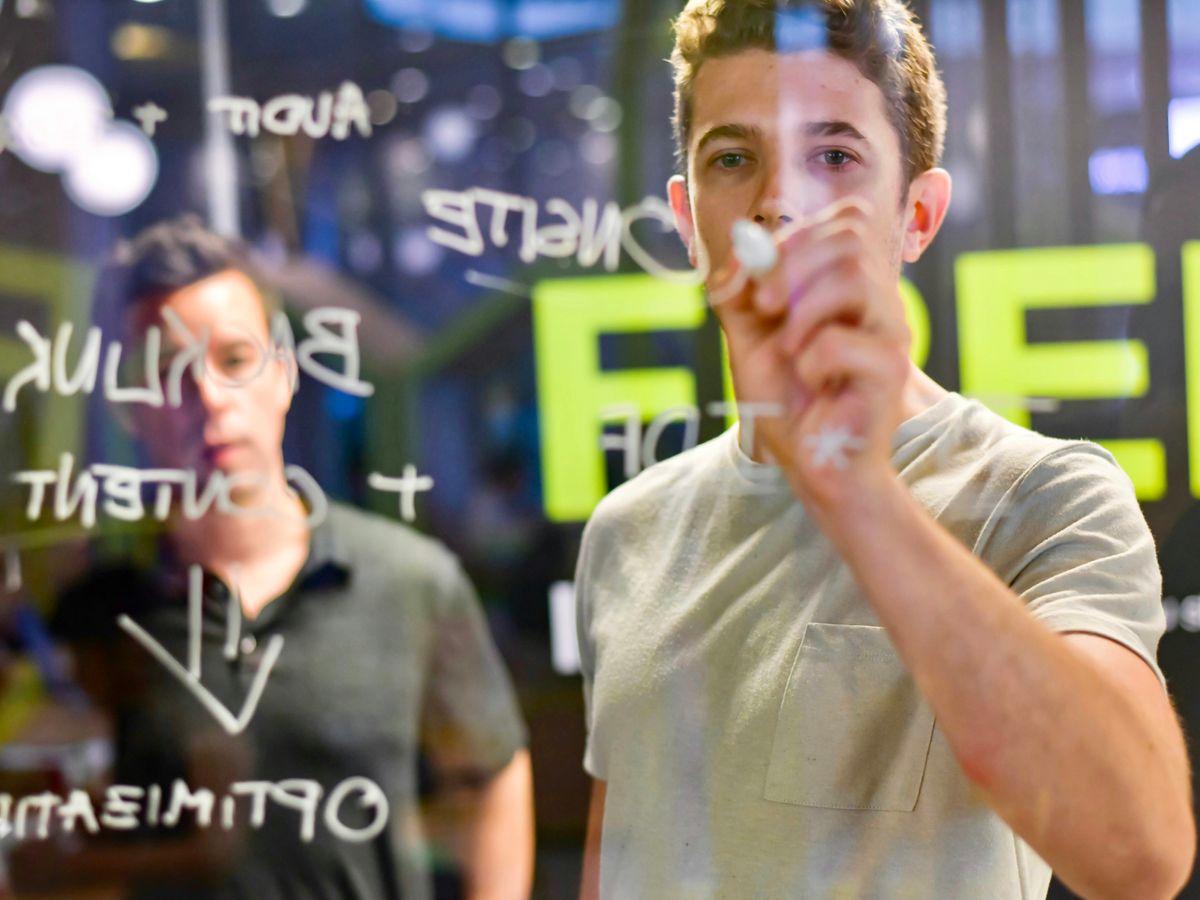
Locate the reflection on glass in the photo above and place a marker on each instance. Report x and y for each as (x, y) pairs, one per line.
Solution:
(292, 555)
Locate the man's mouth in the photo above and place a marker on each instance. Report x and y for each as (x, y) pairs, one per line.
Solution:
(217, 452)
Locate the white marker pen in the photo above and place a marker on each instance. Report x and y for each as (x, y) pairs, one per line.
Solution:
(756, 251)
(754, 247)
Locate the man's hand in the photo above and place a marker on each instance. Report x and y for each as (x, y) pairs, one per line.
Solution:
(822, 337)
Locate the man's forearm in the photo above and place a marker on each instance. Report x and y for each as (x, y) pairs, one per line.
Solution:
(1067, 760)
(499, 855)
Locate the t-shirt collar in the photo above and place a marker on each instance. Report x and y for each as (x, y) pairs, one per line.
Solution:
(908, 430)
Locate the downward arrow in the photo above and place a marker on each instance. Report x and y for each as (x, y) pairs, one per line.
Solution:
(190, 676)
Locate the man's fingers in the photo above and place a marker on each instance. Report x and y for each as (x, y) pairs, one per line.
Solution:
(806, 248)
(839, 294)
(846, 208)
(845, 216)
(805, 258)
(847, 291)
(840, 354)
(796, 275)
(732, 288)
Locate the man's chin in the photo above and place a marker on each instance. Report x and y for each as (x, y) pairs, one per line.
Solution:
(232, 467)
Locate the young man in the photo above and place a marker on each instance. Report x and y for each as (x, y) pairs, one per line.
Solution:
(888, 645)
(385, 651)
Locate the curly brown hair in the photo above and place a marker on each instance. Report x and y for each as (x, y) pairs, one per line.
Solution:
(881, 37)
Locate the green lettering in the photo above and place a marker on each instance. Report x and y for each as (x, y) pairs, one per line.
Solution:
(569, 315)
(1000, 367)
(1191, 343)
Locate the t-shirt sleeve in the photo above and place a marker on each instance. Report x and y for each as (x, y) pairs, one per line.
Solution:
(587, 648)
(1070, 539)
(471, 723)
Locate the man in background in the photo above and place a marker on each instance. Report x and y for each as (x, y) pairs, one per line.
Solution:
(385, 658)
(877, 641)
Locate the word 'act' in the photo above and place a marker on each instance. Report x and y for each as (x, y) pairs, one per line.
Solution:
(639, 447)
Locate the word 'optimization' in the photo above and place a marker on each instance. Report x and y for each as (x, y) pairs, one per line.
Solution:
(128, 807)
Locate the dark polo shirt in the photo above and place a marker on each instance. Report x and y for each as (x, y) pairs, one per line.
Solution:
(386, 658)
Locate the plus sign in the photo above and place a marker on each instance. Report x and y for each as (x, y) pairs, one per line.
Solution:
(150, 115)
(407, 486)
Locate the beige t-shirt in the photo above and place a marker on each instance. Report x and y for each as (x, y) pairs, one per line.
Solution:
(758, 732)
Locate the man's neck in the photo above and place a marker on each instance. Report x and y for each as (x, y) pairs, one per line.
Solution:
(920, 393)
(262, 553)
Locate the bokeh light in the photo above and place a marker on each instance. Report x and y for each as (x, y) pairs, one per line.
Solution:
(116, 174)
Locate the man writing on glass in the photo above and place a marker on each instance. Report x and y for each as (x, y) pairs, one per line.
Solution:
(876, 640)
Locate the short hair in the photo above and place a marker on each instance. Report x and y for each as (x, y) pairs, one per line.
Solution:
(167, 257)
(881, 37)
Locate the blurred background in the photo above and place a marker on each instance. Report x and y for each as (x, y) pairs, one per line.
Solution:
(1058, 291)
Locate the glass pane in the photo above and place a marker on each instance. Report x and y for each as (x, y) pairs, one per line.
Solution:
(327, 328)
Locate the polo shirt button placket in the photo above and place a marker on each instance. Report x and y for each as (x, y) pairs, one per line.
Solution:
(250, 658)
(216, 597)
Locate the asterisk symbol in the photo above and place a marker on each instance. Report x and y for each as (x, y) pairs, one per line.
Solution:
(830, 446)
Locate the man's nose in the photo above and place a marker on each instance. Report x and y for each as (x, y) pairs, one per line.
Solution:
(212, 394)
(772, 218)
(772, 208)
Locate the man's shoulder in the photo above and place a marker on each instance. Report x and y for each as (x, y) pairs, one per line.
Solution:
(1016, 451)
(660, 489)
(89, 604)
(990, 467)
(368, 539)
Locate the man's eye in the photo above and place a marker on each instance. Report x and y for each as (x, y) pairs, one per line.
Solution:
(836, 159)
(730, 160)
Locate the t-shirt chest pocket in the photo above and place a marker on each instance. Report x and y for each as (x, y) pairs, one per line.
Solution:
(853, 730)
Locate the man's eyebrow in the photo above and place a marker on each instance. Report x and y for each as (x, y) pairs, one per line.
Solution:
(732, 130)
(834, 128)
(233, 343)
(736, 131)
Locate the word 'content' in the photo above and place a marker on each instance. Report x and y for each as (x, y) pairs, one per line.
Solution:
(122, 492)
(129, 494)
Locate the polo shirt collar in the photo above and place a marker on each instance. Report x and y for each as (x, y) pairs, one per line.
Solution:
(328, 565)
(327, 549)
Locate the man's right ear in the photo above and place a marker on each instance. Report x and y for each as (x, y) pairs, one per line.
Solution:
(681, 206)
